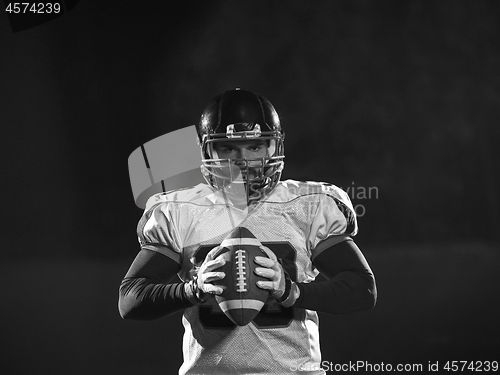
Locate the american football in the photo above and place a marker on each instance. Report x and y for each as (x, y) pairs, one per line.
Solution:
(242, 299)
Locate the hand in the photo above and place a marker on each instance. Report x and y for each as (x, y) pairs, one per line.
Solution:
(272, 271)
(205, 274)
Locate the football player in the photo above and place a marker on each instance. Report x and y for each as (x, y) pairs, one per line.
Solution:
(306, 228)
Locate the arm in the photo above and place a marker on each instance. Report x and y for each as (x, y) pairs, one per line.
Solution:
(350, 286)
(145, 292)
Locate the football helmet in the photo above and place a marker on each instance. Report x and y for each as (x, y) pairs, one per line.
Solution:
(241, 115)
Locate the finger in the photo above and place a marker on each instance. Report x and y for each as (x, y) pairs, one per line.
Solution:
(267, 285)
(214, 264)
(265, 272)
(208, 277)
(265, 262)
(212, 289)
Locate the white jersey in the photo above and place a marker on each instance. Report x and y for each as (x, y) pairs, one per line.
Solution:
(297, 221)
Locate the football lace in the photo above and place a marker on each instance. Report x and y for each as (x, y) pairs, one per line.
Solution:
(240, 271)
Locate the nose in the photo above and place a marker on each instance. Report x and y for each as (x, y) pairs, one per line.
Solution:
(240, 162)
(242, 153)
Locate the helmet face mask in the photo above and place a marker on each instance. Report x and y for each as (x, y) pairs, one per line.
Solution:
(237, 117)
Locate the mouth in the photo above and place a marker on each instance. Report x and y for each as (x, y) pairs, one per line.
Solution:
(241, 173)
(249, 174)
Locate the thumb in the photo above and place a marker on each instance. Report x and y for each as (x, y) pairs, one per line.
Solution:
(212, 253)
(269, 252)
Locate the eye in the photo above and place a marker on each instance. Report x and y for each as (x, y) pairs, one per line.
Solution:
(224, 149)
(255, 148)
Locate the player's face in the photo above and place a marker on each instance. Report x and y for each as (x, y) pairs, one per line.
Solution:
(241, 149)
(247, 149)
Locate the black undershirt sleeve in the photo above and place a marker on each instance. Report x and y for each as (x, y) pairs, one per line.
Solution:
(146, 292)
(350, 284)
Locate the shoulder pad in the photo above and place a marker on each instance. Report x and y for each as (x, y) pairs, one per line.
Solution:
(293, 189)
(192, 194)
